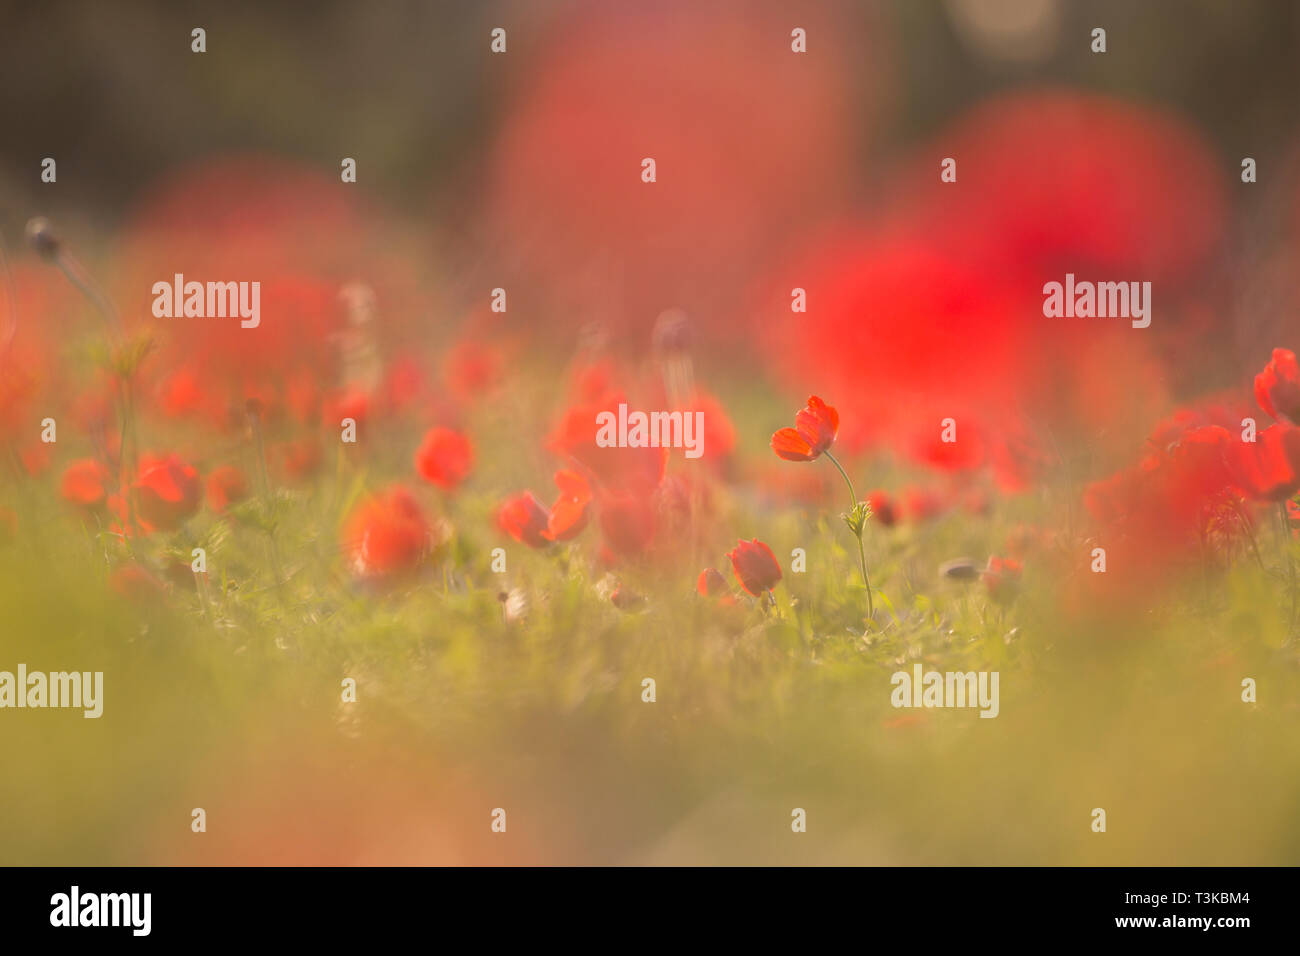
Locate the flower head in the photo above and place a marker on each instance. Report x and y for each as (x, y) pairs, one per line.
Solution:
(444, 458)
(813, 433)
(569, 513)
(1277, 388)
(386, 534)
(85, 483)
(168, 491)
(524, 519)
(755, 566)
(711, 583)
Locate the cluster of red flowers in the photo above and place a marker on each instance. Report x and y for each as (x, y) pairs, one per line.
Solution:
(1204, 471)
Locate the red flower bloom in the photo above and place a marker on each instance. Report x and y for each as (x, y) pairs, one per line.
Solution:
(1277, 388)
(85, 482)
(444, 458)
(882, 508)
(711, 583)
(814, 432)
(352, 402)
(524, 519)
(755, 566)
(226, 485)
(569, 513)
(167, 491)
(1267, 469)
(386, 535)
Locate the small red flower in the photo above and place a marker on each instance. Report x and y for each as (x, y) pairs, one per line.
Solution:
(168, 491)
(813, 433)
(386, 535)
(1002, 578)
(351, 402)
(85, 483)
(1277, 388)
(711, 583)
(226, 485)
(755, 565)
(524, 519)
(882, 508)
(445, 458)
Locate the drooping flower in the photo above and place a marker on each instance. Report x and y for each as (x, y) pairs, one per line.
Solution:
(814, 432)
(755, 566)
(167, 491)
(386, 535)
(1277, 388)
(444, 458)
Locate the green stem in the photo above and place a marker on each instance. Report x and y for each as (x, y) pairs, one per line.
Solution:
(862, 554)
(1290, 561)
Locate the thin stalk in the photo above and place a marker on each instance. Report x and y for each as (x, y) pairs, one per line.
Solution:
(862, 554)
(1290, 560)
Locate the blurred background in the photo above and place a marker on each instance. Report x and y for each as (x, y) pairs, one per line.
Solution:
(776, 170)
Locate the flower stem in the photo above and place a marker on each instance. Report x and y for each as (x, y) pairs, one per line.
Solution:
(862, 554)
(1290, 561)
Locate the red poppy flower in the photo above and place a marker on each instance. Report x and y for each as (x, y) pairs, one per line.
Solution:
(569, 513)
(386, 535)
(711, 583)
(1277, 388)
(755, 566)
(1002, 578)
(882, 508)
(352, 402)
(167, 491)
(814, 432)
(1267, 469)
(226, 485)
(85, 482)
(524, 519)
(444, 458)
